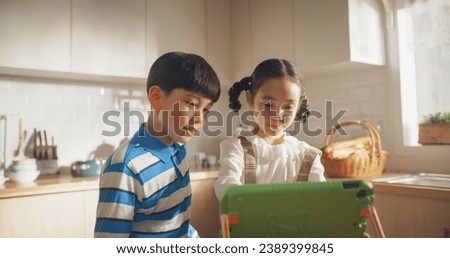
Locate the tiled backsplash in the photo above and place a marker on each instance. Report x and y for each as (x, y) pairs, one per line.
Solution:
(362, 94)
(73, 112)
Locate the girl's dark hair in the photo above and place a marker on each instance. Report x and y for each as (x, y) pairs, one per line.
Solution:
(270, 68)
(186, 71)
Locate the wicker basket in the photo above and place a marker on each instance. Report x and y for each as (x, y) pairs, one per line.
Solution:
(366, 162)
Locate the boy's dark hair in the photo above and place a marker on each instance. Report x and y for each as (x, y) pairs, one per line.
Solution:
(186, 71)
(270, 68)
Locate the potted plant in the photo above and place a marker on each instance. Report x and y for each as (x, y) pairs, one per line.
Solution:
(435, 129)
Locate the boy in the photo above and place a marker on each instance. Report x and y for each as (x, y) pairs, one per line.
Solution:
(145, 186)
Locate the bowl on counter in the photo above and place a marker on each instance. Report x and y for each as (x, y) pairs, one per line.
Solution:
(23, 176)
(23, 165)
(23, 171)
(86, 168)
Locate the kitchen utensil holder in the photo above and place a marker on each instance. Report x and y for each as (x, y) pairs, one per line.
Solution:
(46, 152)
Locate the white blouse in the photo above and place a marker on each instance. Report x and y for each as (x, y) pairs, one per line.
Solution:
(275, 163)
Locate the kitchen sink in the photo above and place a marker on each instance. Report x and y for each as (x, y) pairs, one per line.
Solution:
(422, 179)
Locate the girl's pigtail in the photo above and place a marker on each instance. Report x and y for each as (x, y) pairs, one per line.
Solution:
(304, 111)
(235, 91)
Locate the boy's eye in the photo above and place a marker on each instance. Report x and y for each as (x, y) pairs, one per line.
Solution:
(191, 104)
(268, 105)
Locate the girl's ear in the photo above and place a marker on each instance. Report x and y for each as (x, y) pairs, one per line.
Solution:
(154, 95)
(249, 98)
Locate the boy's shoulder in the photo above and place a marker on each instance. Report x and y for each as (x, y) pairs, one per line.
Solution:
(133, 155)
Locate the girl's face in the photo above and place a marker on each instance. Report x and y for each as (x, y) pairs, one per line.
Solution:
(276, 103)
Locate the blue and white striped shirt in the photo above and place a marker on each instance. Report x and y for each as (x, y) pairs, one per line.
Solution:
(145, 190)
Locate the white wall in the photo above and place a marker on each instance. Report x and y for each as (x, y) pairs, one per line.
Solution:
(71, 112)
(361, 94)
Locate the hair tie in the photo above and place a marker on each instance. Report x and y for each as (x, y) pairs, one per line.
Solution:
(246, 83)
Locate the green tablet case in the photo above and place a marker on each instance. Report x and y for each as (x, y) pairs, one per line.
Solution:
(311, 209)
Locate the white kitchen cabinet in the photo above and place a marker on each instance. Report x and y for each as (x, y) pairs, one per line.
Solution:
(69, 214)
(175, 25)
(205, 205)
(108, 38)
(320, 36)
(218, 39)
(271, 30)
(261, 29)
(337, 35)
(411, 211)
(240, 39)
(35, 35)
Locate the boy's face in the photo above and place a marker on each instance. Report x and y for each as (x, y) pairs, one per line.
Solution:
(180, 115)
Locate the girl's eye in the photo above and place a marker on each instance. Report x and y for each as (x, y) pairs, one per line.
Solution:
(289, 108)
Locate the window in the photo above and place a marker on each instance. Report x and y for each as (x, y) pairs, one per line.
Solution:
(423, 28)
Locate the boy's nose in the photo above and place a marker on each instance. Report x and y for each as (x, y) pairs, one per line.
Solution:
(198, 118)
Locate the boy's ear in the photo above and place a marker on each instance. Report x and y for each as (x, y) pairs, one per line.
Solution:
(154, 95)
(249, 98)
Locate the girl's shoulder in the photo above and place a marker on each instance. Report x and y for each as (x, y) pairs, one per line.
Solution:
(231, 142)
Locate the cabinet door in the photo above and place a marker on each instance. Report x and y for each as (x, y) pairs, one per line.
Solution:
(337, 35)
(260, 29)
(175, 25)
(271, 30)
(35, 35)
(218, 38)
(205, 208)
(70, 214)
(240, 39)
(108, 37)
(412, 214)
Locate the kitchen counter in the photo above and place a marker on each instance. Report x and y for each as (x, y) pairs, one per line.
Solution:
(42, 208)
(412, 190)
(434, 192)
(51, 184)
(59, 196)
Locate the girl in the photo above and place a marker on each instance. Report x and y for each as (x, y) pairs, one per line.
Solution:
(265, 153)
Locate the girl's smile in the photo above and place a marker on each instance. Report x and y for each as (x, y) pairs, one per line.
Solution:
(276, 102)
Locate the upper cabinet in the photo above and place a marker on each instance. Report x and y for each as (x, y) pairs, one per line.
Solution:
(35, 35)
(176, 25)
(261, 29)
(201, 27)
(108, 38)
(337, 35)
(271, 30)
(119, 40)
(320, 36)
(218, 38)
